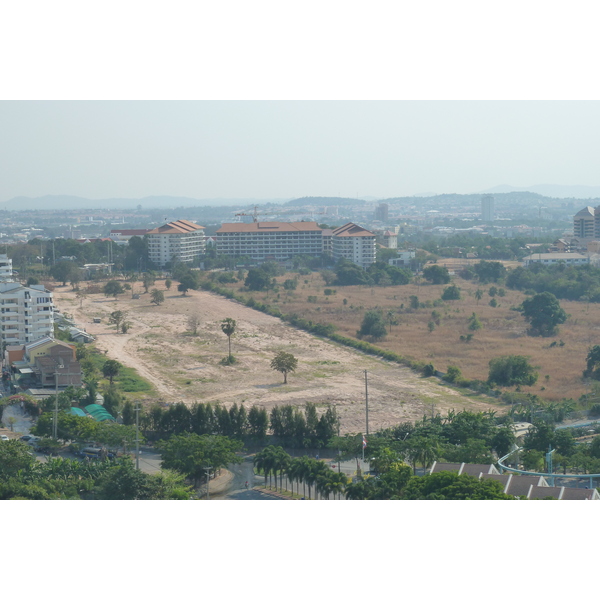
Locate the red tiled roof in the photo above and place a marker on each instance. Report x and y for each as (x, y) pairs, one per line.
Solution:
(180, 226)
(352, 230)
(268, 226)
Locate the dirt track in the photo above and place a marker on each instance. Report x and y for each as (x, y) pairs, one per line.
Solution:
(183, 367)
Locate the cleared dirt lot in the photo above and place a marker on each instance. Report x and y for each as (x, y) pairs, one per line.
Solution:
(183, 367)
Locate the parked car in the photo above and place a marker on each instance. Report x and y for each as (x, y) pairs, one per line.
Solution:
(4, 438)
(25, 438)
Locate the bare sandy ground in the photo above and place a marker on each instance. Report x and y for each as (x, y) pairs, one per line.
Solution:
(186, 368)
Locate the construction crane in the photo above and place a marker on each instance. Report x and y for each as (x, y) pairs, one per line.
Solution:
(254, 214)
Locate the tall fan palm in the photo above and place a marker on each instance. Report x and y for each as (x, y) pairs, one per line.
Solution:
(228, 326)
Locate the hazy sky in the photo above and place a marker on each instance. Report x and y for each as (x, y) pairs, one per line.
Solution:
(285, 149)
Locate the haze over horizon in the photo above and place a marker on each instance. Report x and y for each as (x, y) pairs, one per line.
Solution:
(274, 150)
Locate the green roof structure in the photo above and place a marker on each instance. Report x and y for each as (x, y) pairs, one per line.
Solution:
(99, 413)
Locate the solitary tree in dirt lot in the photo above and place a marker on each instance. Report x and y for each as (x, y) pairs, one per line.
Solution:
(187, 282)
(544, 314)
(117, 317)
(511, 370)
(111, 369)
(158, 297)
(113, 288)
(285, 363)
(228, 326)
(193, 323)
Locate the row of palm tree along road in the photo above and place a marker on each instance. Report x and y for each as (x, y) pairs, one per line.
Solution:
(274, 461)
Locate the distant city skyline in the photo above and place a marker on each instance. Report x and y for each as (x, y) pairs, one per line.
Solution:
(267, 150)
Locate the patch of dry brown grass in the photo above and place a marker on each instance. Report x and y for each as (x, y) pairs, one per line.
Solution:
(504, 330)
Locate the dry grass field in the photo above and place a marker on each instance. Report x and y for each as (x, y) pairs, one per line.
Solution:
(504, 330)
(185, 367)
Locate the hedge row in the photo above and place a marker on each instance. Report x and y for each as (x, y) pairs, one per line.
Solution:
(328, 331)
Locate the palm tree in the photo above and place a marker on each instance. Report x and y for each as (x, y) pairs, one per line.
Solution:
(228, 326)
(292, 472)
(282, 460)
(304, 468)
(339, 481)
(263, 462)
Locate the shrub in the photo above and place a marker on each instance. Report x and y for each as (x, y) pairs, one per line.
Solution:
(429, 370)
(451, 293)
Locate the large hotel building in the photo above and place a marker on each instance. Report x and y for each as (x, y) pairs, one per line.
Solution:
(273, 240)
(181, 240)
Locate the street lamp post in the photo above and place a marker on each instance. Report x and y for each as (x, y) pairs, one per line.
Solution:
(208, 470)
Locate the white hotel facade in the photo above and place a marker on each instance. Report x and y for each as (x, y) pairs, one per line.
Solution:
(279, 241)
(179, 240)
(26, 313)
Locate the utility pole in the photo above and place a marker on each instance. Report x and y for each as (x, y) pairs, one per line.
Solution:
(208, 470)
(137, 435)
(367, 403)
(55, 421)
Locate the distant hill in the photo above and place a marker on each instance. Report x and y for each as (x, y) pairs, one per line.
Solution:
(325, 201)
(550, 190)
(63, 202)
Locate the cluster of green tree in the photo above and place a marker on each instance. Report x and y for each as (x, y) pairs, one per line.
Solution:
(373, 325)
(158, 422)
(131, 257)
(23, 477)
(436, 275)
(485, 271)
(569, 456)
(191, 454)
(298, 429)
(580, 282)
(394, 479)
(379, 273)
(263, 277)
(83, 429)
(273, 461)
(543, 313)
(486, 248)
(188, 278)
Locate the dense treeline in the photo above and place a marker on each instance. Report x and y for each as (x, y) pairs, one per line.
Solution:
(486, 248)
(23, 477)
(565, 282)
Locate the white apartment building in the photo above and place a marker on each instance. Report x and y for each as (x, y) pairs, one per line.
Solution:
(26, 313)
(354, 243)
(181, 240)
(6, 272)
(553, 258)
(270, 240)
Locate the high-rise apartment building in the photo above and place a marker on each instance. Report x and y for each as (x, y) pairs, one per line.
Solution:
(26, 313)
(584, 223)
(381, 212)
(6, 272)
(180, 241)
(487, 208)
